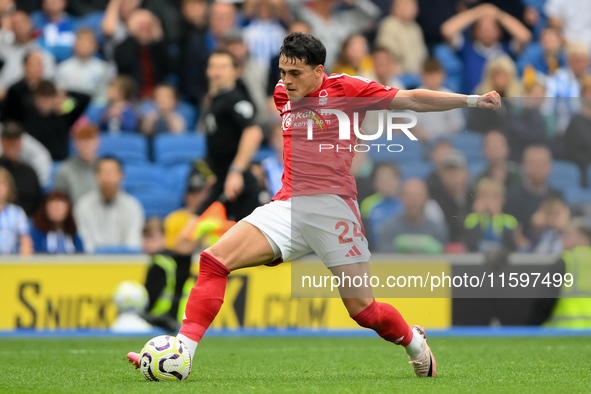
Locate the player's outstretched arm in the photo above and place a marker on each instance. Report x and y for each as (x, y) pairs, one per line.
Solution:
(423, 100)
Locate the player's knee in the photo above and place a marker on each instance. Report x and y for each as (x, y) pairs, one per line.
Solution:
(218, 254)
(356, 305)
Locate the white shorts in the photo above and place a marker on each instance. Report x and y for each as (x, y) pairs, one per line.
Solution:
(327, 224)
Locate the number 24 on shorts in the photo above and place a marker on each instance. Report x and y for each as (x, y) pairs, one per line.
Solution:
(345, 226)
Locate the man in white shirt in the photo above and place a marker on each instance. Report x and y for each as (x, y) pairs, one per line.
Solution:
(109, 217)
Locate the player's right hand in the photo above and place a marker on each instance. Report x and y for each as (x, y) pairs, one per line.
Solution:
(490, 100)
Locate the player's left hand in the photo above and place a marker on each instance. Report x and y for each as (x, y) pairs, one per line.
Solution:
(234, 185)
(490, 100)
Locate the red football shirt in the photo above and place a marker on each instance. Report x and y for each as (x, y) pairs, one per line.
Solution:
(309, 169)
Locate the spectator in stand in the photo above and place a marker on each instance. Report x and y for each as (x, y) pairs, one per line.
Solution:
(120, 114)
(109, 217)
(15, 43)
(546, 55)
(573, 18)
(525, 123)
(485, 41)
(144, 55)
(548, 224)
(27, 187)
(431, 125)
(164, 118)
(251, 73)
(565, 85)
(524, 199)
(500, 74)
(439, 151)
(84, 72)
(76, 175)
(411, 231)
(403, 37)
(577, 136)
(385, 68)
(332, 25)
(498, 166)
(19, 97)
(354, 58)
(50, 118)
(487, 228)
(264, 34)
(114, 25)
(454, 197)
(54, 228)
(199, 43)
(385, 203)
(35, 155)
(14, 237)
(57, 28)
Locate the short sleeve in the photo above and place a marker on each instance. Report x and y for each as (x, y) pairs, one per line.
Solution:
(354, 86)
(242, 113)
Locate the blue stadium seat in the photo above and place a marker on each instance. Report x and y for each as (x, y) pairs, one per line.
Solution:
(177, 175)
(452, 64)
(170, 149)
(143, 176)
(116, 249)
(475, 167)
(418, 169)
(411, 152)
(263, 153)
(127, 147)
(577, 195)
(565, 175)
(469, 143)
(158, 202)
(410, 81)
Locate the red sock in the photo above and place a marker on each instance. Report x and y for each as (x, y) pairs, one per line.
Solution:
(386, 321)
(206, 297)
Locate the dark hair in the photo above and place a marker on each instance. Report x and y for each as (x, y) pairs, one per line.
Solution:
(45, 89)
(41, 219)
(108, 158)
(305, 47)
(432, 65)
(225, 52)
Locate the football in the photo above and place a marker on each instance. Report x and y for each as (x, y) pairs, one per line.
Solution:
(165, 358)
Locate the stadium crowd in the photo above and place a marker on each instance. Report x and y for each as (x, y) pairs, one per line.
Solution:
(100, 105)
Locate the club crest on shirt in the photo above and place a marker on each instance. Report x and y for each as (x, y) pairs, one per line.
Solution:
(323, 97)
(287, 121)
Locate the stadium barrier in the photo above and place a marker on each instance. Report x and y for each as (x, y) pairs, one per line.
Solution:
(74, 292)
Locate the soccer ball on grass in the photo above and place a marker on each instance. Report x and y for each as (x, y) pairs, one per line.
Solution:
(165, 358)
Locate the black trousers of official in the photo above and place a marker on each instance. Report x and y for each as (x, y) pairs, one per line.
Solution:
(243, 205)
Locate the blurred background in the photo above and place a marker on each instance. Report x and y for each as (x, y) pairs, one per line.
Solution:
(104, 154)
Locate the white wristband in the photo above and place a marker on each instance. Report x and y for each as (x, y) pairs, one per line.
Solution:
(472, 100)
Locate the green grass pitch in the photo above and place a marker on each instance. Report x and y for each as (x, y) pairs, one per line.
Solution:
(302, 365)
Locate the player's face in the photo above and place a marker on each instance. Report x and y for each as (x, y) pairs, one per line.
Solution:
(300, 79)
(220, 71)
